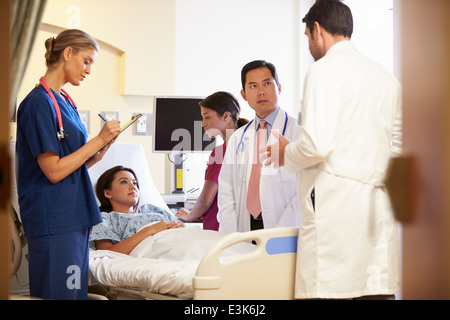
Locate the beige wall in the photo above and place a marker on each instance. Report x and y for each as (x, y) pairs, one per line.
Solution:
(135, 61)
(144, 31)
(172, 47)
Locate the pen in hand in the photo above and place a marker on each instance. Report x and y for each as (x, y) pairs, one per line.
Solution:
(103, 118)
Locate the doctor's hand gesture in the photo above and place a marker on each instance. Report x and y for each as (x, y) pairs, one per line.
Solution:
(274, 153)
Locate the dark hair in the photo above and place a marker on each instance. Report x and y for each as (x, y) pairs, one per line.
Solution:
(334, 16)
(256, 65)
(222, 102)
(74, 38)
(104, 183)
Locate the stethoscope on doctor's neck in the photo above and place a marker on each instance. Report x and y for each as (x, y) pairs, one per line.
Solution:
(241, 143)
(60, 134)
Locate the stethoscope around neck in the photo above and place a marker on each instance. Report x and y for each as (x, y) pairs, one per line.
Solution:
(60, 134)
(241, 143)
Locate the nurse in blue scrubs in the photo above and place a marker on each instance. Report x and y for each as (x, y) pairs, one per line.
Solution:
(57, 202)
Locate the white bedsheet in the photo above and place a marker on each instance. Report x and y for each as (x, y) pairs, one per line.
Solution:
(164, 263)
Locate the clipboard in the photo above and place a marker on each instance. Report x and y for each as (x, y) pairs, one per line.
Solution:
(123, 128)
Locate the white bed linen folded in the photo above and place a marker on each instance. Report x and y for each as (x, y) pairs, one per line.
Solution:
(184, 244)
(159, 276)
(164, 263)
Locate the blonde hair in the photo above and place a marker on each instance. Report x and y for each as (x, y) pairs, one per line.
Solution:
(74, 38)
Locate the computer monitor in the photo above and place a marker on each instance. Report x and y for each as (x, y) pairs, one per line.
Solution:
(177, 126)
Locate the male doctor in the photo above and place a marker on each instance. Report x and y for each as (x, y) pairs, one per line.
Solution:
(351, 121)
(265, 198)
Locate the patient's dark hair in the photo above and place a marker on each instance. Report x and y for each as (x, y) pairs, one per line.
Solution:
(332, 15)
(104, 183)
(222, 102)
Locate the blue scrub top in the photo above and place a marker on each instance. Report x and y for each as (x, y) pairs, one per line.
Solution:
(46, 208)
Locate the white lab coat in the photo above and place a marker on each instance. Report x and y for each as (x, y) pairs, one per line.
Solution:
(351, 122)
(279, 203)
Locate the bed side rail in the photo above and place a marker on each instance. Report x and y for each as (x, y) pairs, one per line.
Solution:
(268, 272)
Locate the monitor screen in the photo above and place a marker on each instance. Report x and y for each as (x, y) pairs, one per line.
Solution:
(177, 126)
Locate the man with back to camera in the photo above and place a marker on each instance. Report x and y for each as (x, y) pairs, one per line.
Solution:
(241, 208)
(351, 122)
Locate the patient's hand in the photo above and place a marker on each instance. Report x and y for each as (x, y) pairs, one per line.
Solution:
(175, 224)
(155, 228)
(161, 226)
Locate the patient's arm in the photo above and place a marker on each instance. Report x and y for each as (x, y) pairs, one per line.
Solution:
(128, 244)
(57, 169)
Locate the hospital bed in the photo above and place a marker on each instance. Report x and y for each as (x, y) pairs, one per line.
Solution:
(218, 266)
(265, 271)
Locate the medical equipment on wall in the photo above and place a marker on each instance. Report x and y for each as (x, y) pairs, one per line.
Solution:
(178, 131)
(60, 134)
(241, 143)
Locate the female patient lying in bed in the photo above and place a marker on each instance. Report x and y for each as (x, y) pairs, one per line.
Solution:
(118, 192)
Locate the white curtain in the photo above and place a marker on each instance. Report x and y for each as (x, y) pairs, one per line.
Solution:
(25, 22)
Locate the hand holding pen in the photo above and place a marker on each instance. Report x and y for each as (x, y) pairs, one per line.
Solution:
(110, 130)
(105, 138)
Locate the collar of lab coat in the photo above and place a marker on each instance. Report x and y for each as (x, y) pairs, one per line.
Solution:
(341, 45)
(270, 119)
(278, 124)
(250, 136)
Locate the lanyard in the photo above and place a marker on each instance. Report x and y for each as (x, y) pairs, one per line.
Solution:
(60, 134)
